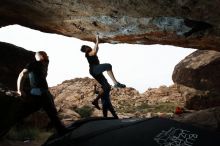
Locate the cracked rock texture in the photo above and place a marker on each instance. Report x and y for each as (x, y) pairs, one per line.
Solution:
(185, 23)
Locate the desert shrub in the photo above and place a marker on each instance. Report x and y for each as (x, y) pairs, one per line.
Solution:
(85, 111)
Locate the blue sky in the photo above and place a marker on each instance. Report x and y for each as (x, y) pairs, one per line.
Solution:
(137, 66)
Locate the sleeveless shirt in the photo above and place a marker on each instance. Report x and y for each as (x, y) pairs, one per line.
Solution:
(92, 60)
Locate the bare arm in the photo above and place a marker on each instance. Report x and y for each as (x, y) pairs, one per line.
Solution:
(20, 81)
(96, 47)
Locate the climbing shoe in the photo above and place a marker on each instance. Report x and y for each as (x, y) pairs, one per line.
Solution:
(96, 104)
(119, 85)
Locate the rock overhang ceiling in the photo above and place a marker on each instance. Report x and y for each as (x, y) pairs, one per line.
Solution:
(185, 23)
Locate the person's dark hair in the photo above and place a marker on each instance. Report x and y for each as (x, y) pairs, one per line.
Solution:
(44, 55)
(84, 48)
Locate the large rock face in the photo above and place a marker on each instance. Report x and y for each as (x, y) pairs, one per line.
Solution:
(200, 70)
(198, 76)
(186, 23)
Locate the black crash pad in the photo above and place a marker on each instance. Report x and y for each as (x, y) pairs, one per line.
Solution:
(134, 132)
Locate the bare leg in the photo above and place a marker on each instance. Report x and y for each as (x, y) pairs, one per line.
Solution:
(111, 75)
(108, 67)
(117, 84)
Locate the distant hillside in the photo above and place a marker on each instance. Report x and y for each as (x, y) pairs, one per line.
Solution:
(73, 100)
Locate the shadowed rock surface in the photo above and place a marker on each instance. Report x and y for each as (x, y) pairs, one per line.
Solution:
(12, 60)
(198, 79)
(206, 119)
(185, 23)
(130, 132)
(13, 109)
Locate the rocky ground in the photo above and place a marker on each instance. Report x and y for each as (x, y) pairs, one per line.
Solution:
(73, 100)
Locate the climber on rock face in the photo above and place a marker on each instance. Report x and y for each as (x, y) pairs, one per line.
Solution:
(96, 70)
(95, 67)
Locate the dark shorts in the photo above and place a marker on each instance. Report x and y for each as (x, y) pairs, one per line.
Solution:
(103, 82)
(98, 69)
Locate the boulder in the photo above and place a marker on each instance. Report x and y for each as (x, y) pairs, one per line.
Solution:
(198, 79)
(130, 132)
(207, 119)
